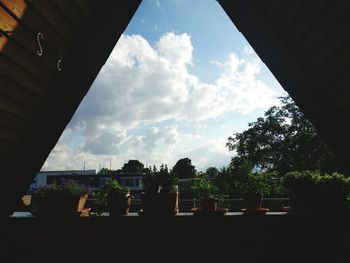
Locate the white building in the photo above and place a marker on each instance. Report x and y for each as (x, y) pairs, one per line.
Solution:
(44, 177)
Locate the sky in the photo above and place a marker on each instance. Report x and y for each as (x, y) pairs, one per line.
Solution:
(180, 80)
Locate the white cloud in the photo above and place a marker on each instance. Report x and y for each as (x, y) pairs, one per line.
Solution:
(142, 84)
(248, 50)
(212, 153)
(157, 3)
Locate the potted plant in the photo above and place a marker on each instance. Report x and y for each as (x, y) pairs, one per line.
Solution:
(311, 193)
(253, 188)
(160, 195)
(207, 193)
(117, 199)
(61, 200)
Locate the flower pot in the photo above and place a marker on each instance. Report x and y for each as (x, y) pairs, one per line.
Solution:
(252, 201)
(208, 204)
(119, 204)
(160, 203)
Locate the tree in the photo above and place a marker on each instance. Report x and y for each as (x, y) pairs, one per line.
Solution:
(226, 181)
(184, 169)
(212, 172)
(133, 166)
(284, 140)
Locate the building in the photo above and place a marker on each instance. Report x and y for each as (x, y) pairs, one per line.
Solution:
(90, 178)
(43, 178)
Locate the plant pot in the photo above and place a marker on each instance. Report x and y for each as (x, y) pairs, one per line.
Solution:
(119, 204)
(252, 201)
(160, 203)
(208, 204)
(59, 206)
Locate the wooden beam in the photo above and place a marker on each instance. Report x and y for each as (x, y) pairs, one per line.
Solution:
(65, 94)
(291, 73)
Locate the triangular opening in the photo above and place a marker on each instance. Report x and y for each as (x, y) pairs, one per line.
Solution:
(177, 85)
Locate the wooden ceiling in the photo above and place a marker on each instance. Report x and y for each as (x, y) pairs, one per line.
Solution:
(306, 45)
(50, 53)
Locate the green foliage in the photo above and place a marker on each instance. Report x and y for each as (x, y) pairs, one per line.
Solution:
(313, 191)
(334, 183)
(66, 188)
(161, 180)
(256, 183)
(212, 172)
(315, 182)
(150, 181)
(300, 181)
(226, 182)
(110, 188)
(284, 140)
(238, 178)
(204, 189)
(184, 169)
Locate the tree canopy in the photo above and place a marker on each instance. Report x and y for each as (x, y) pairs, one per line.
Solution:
(184, 169)
(133, 166)
(284, 140)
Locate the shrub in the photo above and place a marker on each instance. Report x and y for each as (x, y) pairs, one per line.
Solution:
(161, 180)
(111, 187)
(66, 188)
(204, 189)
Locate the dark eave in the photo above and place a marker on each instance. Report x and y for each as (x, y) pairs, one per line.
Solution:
(306, 45)
(86, 33)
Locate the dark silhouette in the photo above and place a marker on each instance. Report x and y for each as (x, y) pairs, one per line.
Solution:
(284, 140)
(184, 169)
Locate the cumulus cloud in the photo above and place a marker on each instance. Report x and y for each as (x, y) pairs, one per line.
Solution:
(141, 84)
(248, 50)
(155, 146)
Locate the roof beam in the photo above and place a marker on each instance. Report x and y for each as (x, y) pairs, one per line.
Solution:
(65, 94)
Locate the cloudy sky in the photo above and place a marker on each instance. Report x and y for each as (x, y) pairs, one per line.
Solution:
(180, 80)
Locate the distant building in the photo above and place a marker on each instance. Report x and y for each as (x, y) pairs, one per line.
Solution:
(48, 177)
(130, 180)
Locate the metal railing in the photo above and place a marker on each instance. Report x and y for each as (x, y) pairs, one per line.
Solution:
(185, 205)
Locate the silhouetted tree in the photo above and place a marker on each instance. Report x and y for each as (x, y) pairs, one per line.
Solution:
(212, 172)
(133, 166)
(184, 169)
(284, 140)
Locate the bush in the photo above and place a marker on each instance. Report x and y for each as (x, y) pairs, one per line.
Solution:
(159, 180)
(110, 188)
(311, 190)
(66, 188)
(204, 189)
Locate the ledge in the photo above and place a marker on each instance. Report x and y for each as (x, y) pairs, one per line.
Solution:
(275, 237)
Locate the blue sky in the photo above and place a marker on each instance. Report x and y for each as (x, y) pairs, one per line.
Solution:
(180, 80)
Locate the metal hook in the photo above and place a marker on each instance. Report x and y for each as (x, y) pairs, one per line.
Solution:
(39, 35)
(58, 63)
